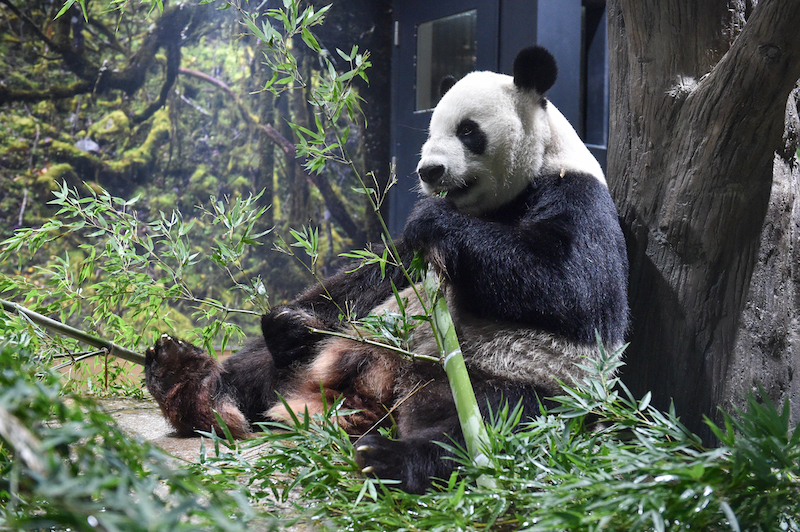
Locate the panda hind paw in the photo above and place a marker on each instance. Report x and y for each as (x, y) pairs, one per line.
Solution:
(378, 456)
(173, 351)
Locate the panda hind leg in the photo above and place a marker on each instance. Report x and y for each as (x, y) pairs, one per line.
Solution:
(427, 416)
(360, 377)
(416, 459)
(188, 386)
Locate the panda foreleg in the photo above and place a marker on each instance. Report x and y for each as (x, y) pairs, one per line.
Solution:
(289, 335)
(290, 331)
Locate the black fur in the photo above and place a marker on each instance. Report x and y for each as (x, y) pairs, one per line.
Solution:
(553, 258)
(535, 69)
(446, 84)
(472, 136)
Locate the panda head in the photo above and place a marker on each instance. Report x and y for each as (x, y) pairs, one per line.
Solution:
(491, 135)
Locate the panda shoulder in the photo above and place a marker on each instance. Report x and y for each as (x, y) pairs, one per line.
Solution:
(571, 190)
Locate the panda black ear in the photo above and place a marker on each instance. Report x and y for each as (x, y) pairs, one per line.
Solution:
(446, 84)
(535, 68)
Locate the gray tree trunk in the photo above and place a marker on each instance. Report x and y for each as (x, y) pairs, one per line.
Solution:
(698, 102)
(767, 351)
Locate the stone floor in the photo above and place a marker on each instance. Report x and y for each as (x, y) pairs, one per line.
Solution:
(143, 417)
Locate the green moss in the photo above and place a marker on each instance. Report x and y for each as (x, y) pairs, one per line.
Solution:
(23, 125)
(114, 125)
(239, 185)
(202, 182)
(64, 150)
(159, 132)
(165, 202)
(44, 109)
(55, 173)
(12, 145)
(22, 81)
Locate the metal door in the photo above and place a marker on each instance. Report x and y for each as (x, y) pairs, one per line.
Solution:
(432, 38)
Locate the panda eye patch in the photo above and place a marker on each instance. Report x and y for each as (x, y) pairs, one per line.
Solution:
(472, 136)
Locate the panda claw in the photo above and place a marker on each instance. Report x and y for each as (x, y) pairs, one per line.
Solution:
(367, 470)
(363, 448)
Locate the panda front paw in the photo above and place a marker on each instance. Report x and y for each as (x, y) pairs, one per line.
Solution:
(430, 224)
(288, 334)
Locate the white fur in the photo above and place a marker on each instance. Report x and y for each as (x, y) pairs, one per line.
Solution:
(510, 351)
(524, 141)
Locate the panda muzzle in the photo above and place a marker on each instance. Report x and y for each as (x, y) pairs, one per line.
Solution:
(431, 174)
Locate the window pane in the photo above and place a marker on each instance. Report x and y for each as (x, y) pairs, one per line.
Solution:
(445, 47)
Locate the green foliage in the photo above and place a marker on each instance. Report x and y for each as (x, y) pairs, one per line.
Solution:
(130, 272)
(603, 461)
(65, 465)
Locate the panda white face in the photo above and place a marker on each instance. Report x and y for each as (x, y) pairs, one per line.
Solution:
(476, 152)
(491, 135)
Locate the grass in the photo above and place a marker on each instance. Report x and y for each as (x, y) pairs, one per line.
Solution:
(602, 461)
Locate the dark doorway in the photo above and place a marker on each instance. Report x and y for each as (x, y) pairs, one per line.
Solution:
(432, 39)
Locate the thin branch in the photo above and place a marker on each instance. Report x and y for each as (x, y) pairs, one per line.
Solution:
(54, 325)
(23, 441)
(367, 341)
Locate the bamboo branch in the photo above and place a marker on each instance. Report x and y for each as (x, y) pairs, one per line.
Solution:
(469, 415)
(23, 441)
(382, 345)
(110, 347)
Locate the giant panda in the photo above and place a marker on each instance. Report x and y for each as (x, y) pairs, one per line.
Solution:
(518, 221)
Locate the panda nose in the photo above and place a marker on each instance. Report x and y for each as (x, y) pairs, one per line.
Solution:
(431, 174)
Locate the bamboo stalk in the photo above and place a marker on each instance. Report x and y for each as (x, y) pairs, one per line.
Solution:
(54, 325)
(469, 415)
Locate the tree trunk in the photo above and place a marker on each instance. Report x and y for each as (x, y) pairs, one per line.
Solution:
(698, 99)
(767, 352)
(265, 173)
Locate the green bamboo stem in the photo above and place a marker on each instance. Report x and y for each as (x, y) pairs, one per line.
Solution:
(54, 325)
(469, 415)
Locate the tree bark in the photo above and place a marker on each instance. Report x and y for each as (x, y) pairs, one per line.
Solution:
(698, 99)
(767, 353)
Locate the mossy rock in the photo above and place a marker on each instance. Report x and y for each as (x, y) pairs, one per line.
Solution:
(55, 174)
